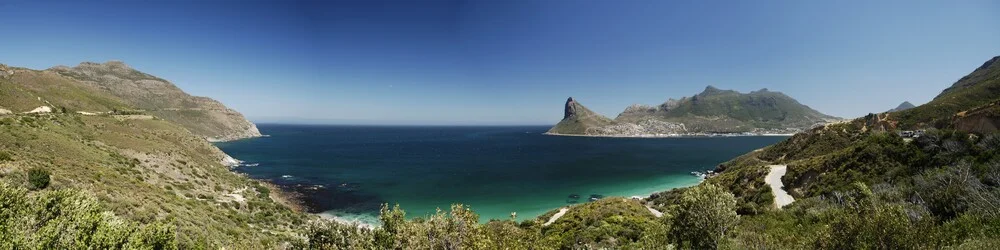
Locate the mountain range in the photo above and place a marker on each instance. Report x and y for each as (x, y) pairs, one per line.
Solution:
(711, 111)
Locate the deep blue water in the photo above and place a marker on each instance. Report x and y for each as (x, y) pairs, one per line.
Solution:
(496, 170)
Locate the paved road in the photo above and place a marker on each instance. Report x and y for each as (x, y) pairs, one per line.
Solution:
(781, 198)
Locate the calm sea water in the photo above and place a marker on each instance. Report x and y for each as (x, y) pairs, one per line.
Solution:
(348, 171)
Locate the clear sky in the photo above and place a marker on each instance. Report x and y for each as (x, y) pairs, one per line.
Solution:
(511, 62)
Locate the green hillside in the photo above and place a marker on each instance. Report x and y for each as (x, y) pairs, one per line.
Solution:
(141, 169)
(979, 88)
(715, 110)
(871, 188)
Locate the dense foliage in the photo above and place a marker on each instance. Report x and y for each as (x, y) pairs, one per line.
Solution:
(68, 219)
(703, 216)
(38, 178)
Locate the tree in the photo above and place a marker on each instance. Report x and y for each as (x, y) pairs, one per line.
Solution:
(705, 214)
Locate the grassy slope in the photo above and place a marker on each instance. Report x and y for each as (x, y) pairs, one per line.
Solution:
(143, 170)
(22, 91)
(202, 116)
(147, 170)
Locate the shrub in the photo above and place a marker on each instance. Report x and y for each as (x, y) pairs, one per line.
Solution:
(38, 178)
(867, 223)
(705, 214)
(69, 219)
(4, 156)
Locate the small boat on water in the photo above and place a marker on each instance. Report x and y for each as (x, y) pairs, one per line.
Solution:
(574, 196)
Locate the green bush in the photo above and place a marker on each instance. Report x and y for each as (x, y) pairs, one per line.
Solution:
(69, 219)
(38, 178)
(4, 156)
(705, 215)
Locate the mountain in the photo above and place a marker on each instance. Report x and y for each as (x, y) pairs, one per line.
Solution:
(711, 111)
(158, 97)
(578, 119)
(903, 106)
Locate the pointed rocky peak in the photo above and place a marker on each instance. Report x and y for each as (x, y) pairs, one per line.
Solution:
(577, 119)
(903, 106)
(570, 108)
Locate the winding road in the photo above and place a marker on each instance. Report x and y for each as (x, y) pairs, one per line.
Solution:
(773, 179)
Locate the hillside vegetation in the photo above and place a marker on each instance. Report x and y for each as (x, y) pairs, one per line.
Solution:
(979, 88)
(138, 167)
(862, 182)
(716, 110)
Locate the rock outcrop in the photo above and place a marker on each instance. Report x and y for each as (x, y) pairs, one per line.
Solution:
(982, 120)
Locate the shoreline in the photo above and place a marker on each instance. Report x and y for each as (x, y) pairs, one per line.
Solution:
(667, 135)
(289, 197)
(343, 221)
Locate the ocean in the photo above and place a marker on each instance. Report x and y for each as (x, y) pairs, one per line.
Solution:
(349, 171)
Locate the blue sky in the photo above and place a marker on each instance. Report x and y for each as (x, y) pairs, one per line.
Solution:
(511, 62)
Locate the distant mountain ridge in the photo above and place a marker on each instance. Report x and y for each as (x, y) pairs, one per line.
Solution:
(711, 111)
(903, 106)
(202, 115)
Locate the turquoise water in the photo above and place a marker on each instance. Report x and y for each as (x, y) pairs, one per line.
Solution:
(348, 171)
